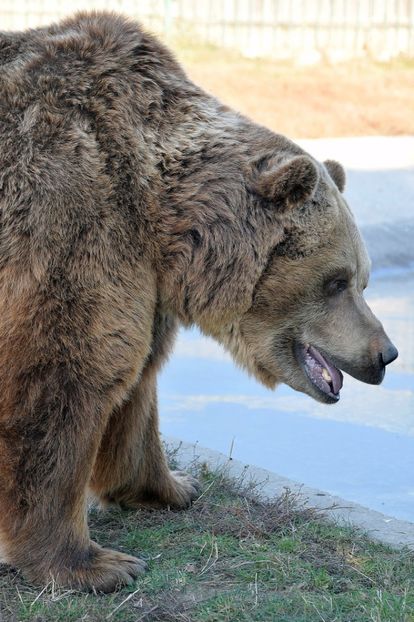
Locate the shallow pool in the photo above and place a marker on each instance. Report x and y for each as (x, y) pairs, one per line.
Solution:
(361, 449)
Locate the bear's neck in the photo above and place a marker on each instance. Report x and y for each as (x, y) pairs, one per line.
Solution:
(213, 245)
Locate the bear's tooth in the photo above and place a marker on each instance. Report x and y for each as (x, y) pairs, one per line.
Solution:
(326, 376)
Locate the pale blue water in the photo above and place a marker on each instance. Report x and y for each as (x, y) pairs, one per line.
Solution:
(361, 449)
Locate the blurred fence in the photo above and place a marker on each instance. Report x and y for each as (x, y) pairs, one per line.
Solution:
(303, 30)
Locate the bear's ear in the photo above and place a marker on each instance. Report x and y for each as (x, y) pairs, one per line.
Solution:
(291, 183)
(337, 173)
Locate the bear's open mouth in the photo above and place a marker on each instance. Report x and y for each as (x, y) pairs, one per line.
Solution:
(321, 372)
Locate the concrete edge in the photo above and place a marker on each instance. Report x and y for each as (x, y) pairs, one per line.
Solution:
(386, 529)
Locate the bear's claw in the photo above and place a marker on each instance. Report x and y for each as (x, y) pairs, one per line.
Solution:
(187, 488)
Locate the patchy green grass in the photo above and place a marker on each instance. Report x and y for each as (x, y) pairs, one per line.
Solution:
(232, 557)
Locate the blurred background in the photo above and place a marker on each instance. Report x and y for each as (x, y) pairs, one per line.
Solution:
(338, 77)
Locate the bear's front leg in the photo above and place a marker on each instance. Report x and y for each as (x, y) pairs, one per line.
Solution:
(131, 469)
(47, 450)
(62, 371)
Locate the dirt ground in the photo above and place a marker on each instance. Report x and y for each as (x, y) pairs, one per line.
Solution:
(357, 98)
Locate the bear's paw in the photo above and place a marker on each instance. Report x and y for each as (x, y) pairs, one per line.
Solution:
(105, 571)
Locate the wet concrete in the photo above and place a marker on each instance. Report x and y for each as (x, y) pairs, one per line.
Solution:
(268, 485)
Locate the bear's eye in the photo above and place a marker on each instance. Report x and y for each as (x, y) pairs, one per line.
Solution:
(336, 286)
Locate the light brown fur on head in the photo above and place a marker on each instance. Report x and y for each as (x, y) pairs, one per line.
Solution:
(132, 201)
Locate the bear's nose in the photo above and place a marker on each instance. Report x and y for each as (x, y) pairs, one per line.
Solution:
(389, 354)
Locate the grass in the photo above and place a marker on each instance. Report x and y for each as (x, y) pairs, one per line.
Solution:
(232, 557)
(355, 98)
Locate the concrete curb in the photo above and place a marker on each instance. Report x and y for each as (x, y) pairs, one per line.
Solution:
(386, 529)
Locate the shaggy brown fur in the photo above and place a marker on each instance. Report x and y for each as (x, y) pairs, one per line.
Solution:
(130, 201)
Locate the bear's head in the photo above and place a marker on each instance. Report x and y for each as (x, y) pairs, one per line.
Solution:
(308, 319)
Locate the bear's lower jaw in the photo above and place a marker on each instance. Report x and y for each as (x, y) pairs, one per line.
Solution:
(325, 379)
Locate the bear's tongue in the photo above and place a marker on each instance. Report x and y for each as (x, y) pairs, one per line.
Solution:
(322, 373)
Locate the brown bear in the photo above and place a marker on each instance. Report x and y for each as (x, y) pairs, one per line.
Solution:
(131, 201)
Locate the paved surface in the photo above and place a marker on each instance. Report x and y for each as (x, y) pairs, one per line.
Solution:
(380, 527)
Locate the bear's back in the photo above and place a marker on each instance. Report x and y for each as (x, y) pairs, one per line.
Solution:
(78, 103)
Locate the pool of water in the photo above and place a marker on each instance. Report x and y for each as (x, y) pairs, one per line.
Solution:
(361, 449)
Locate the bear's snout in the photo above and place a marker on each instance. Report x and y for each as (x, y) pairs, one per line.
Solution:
(383, 352)
(370, 365)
